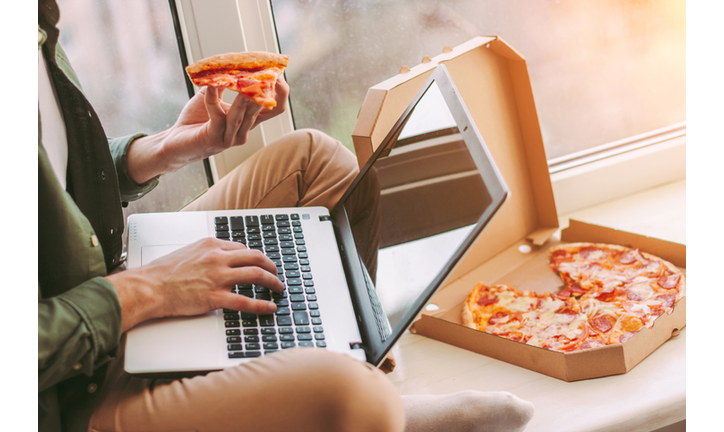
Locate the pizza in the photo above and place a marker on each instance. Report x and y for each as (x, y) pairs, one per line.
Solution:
(252, 74)
(609, 293)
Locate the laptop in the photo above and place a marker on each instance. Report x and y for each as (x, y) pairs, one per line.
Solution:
(356, 277)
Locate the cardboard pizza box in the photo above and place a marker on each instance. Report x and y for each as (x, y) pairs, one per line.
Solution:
(493, 81)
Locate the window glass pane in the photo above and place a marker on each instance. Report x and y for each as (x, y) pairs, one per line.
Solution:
(601, 71)
(126, 57)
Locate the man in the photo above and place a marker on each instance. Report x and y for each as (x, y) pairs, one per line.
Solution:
(87, 301)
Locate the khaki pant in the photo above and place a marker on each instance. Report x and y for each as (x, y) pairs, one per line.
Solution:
(294, 390)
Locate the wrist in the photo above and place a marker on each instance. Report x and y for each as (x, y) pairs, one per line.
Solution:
(145, 159)
(138, 298)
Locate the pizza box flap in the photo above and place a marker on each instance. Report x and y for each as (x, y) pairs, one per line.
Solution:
(493, 81)
(531, 271)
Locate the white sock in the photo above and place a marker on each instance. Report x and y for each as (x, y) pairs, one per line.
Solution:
(466, 411)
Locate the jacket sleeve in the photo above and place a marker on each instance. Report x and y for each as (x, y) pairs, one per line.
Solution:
(130, 190)
(78, 331)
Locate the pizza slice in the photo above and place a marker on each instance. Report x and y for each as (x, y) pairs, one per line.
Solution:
(252, 74)
(610, 293)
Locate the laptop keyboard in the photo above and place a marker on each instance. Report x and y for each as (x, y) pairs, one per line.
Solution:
(297, 321)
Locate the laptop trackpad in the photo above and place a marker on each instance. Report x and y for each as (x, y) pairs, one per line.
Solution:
(150, 253)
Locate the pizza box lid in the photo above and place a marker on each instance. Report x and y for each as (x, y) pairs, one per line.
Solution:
(493, 81)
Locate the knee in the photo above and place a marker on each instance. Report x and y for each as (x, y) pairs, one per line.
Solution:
(357, 397)
(324, 146)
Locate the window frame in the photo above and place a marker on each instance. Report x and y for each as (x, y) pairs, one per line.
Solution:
(579, 180)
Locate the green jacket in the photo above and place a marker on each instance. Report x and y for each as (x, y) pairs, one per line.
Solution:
(79, 313)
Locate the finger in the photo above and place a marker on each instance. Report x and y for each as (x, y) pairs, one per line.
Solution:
(252, 258)
(246, 304)
(212, 100)
(247, 124)
(255, 276)
(234, 118)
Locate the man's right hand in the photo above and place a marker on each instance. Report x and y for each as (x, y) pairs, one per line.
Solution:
(194, 280)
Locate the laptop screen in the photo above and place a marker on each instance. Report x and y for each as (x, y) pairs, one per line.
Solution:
(419, 203)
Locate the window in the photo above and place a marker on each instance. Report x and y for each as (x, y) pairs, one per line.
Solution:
(127, 59)
(600, 71)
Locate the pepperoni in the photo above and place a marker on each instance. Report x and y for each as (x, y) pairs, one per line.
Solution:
(668, 300)
(607, 296)
(670, 281)
(499, 318)
(567, 310)
(559, 253)
(564, 294)
(626, 336)
(629, 257)
(487, 300)
(631, 295)
(576, 288)
(602, 324)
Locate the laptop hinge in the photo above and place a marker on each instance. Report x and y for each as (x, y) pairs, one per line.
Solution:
(356, 345)
(324, 218)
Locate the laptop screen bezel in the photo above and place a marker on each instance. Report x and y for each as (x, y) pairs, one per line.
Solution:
(375, 348)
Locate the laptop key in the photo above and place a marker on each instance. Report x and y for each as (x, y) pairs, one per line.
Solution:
(295, 290)
(234, 347)
(304, 337)
(218, 220)
(248, 323)
(250, 331)
(233, 332)
(283, 311)
(252, 221)
(253, 346)
(250, 354)
(267, 219)
(299, 306)
(301, 318)
(304, 329)
(233, 339)
(268, 331)
(237, 223)
(296, 297)
(269, 338)
(306, 344)
(319, 336)
(286, 337)
(316, 321)
(251, 338)
(321, 344)
(231, 324)
(286, 330)
(284, 320)
(271, 345)
(266, 320)
(286, 345)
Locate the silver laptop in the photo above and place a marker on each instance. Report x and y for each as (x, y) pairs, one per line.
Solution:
(356, 277)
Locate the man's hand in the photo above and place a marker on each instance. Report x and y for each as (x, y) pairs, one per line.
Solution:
(194, 280)
(206, 126)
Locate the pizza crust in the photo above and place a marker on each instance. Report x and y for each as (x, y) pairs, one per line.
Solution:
(240, 60)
